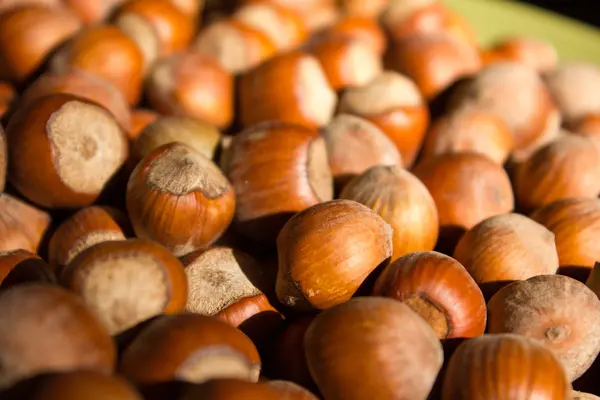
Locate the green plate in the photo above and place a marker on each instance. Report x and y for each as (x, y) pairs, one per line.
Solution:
(496, 19)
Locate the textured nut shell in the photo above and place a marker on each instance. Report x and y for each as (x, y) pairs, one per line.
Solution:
(556, 310)
(22, 226)
(291, 87)
(327, 251)
(160, 352)
(402, 201)
(70, 338)
(179, 198)
(398, 362)
(576, 226)
(568, 167)
(434, 61)
(518, 367)
(439, 282)
(81, 84)
(476, 132)
(28, 35)
(537, 54)
(88, 51)
(466, 187)
(513, 92)
(192, 84)
(363, 29)
(575, 87)
(82, 230)
(507, 248)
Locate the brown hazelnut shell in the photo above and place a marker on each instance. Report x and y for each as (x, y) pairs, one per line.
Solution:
(22, 226)
(363, 29)
(538, 54)
(92, 11)
(232, 389)
(141, 118)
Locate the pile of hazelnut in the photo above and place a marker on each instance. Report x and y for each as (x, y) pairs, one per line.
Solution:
(293, 200)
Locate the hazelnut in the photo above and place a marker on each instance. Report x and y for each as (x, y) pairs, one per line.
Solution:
(141, 118)
(593, 280)
(470, 131)
(355, 145)
(22, 226)
(192, 348)
(84, 85)
(346, 62)
(22, 267)
(515, 93)
(197, 134)
(363, 29)
(466, 187)
(542, 308)
(291, 87)
(233, 389)
(153, 281)
(588, 126)
(8, 96)
(576, 226)
(282, 26)
(327, 251)
(235, 45)
(10, 259)
(82, 230)
(192, 8)
(68, 338)
(567, 167)
(408, 18)
(276, 169)
(398, 362)
(158, 27)
(575, 87)
(439, 289)
(507, 248)
(93, 11)
(536, 53)
(402, 201)
(291, 391)
(394, 104)
(77, 146)
(179, 198)
(584, 396)
(518, 366)
(28, 35)
(434, 61)
(192, 84)
(10, 4)
(107, 52)
(362, 8)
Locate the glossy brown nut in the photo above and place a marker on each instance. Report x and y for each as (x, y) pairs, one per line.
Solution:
(8, 96)
(538, 54)
(199, 135)
(236, 46)
(9, 4)
(439, 289)
(434, 61)
(179, 198)
(126, 282)
(28, 271)
(107, 52)
(291, 87)
(232, 389)
(394, 104)
(555, 310)
(291, 391)
(22, 226)
(346, 62)
(28, 35)
(324, 256)
(575, 86)
(82, 230)
(568, 167)
(507, 248)
(10, 259)
(466, 187)
(76, 385)
(30, 345)
(401, 361)
(362, 8)
(192, 84)
(276, 169)
(192, 348)
(362, 29)
(588, 125)
(81, 84)
(402, 201)
(191, 8)
(470, 131)
(141, 118)
(576, 225)
(72, 164)
(515, 93)
(354, 145)
(518, 366)
(282, 26)
(93, 11)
